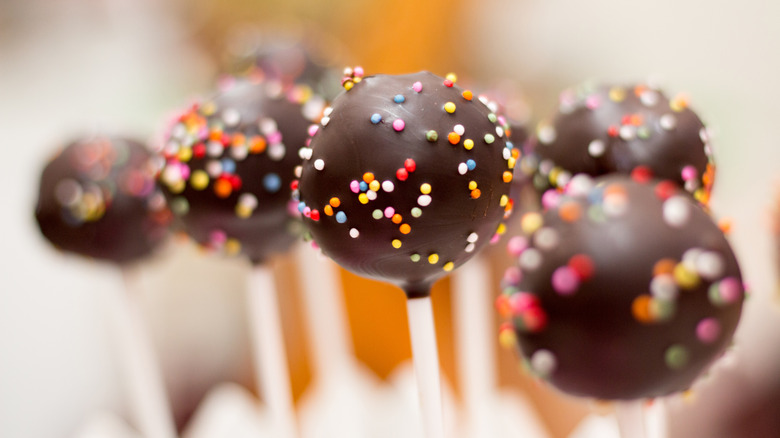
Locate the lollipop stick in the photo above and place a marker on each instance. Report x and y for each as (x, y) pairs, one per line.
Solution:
(426, 364)
(631, 418)
(657, 420)
(148, 400)
(473, 315)
(325, 309)
(270, 357)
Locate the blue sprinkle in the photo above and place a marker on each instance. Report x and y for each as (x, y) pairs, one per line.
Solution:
(341, 217)
(471, 164)
(228, 165)
(510, 145)
(363, 186)
(399, 98)
(301, 206)
(376, 118)
(272, 183)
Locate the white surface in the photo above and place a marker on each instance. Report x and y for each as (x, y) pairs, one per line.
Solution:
(229, 411)
(106, 425)
(270, 357)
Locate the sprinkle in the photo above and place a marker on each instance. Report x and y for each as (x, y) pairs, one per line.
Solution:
(476, 193)
(354, 233)
(676, 357)
(334, 202)
(449, 266)
(463, 168)
(368, 177)
(472, 238)
(401, 174)
(668, 122)
(396, 219)
(433, 258)
(223, 188)
(341, 217)
(272, 183)
(459, 129)
(424, 200)
(389, 212)
(451, 77)
(415, 257)
(354, 186)
(468, 144)
(425, 188)
(453, 138)
(328, 210)
(543, 363)
(199, 180)
(319, 164)
(492, 117)
(376, 118)
(676, 211)
(377, 214)
(449, 107)
(416, 212)
(472, 185)
(405, 228)
(708, 330)
(399, 98)
(374, 185)
(489, 138)
(468, 95)
(596, 148)
(431, 136)
(396, 243)
(388, 186)
(546, 134)
(363, 198)
(398, 125)
(448, 83)
(507, 176)
(410, 165)
(417, 86)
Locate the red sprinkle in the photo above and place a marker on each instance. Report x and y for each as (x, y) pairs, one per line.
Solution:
(199, 150)
(410, 165)
(582, 265)
(448, 83)
(612, 131)
(642, 174)
(665, 189)
(401, 174)
(314, 215)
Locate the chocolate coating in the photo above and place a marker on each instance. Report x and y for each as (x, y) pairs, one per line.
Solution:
(406, 178)
(228, 167)
(618, 128)
(97, 198)
(625, 290)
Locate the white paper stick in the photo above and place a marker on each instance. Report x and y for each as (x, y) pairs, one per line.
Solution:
(475, 339)
(270, 357)
(149, 403)
(329, 334)
(631, 418)
(426, 364)
(657, 419)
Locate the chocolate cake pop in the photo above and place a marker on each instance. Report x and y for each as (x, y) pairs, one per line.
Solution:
(98, 198)
(625, 289)
(613, 128)
(405, 179)
(229, 164)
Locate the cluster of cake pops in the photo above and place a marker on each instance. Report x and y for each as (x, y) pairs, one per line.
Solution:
(624, 288)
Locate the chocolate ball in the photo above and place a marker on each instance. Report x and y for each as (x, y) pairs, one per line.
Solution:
(98, 198)
(229, 163)
(406, 178)
(624, 289)
(614, 128)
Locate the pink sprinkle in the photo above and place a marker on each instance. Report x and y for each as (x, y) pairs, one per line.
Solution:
(689, 173)
(398, 125)
(358, 72)
(389, 212)
(550, 199)
(275, 137)
(708, 330)
(417, 86)
(307, 211)
(354, 186)
(513, 275)
(313, 129)
(218, 237)
(496, 237)
(730, 290)
(502, 121)
(517, 245)
(565, 280)
(522, 301)
(592, 102)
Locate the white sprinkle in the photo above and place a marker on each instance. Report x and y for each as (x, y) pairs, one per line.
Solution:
(267, 126)
(277, 151)
(546, 134)
(484, 101)
(470, 247)
(668, 122)
(579, 185)
(388, 186)
(231, 117)
(615, 205)
(214, 148)
(424, 200)
(172, 148)
(507, 153)
(546, 238)
(649, 98)
(371, 195)
(248, 200)
(239, 152)
(463, 168)
(499, 131)
(179, 131)
(543, 363)
(664, 287)
(472, 238)
(298, 171)
(305, 153)
(530, 259)
(354, 233)
(459, 129)
(596, 148)
(563, 178)
(628, 132)
(325, 121)
(319, 164)
(311, 109)
(710, 265)
(214, 168)
(327, 111)
(676, 211)
(68, 192)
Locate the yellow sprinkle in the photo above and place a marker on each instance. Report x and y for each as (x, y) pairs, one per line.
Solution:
(449, 107)
(504, 200)
(684, 277)
(243, 211)
(374, 185)
(679, 103)
(531, 222)
(617, 94)
(363, 198)
(199, 180)
(510, 163)
(501, 228)
(178, 186)
(472, 185)
(506, 339)
(468, 144)
(425, 188)
(396, 243)
(185, 154)
(208, 108)
(328, 210)
(433, 258)
(449, 266)
(452, 77)
(232, 246)
(348, 85)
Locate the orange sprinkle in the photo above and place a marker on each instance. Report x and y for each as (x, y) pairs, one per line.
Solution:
(335, 202)
(397, 218)
(238, 139)
(640, 309)
(476, 193)
(453, 137)
(725, 225)
(507, 176)
(405, 229)
(328, 210)
(257, 145)
(223, 188)
(570, 211)
(468, 95)
(368, 177)
(664, 266)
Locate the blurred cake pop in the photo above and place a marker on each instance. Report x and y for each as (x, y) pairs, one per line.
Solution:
(229, 163)
(98, 198)
(613, 128)
(624, 289)
(406, 178)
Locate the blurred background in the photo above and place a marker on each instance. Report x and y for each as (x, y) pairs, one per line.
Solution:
(76, 66)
